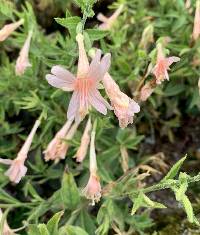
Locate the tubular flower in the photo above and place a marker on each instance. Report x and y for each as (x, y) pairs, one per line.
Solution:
(199, 85)
(92, 190)
(162, 65)
(196, 28)
(85, 140)
(17, 168)
(8, 29)
(54, 150)
(57, 148)
(22, 61)
(84, 85)
(6, 229)
(108, 22)
(124, 106)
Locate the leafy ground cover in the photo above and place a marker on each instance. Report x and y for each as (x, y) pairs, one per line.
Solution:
(129, 162)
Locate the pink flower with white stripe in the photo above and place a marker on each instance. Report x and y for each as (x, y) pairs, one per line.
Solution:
(162, 65)
(84, 85)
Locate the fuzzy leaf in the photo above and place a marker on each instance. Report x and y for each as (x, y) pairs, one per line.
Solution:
(69, 191)
(52, 224)
(43, 229)
(72, 230)
(174, 170)
(188, 208)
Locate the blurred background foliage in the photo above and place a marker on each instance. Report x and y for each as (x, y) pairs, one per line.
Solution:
(167, 127)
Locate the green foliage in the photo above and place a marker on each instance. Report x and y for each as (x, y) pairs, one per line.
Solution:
(48, 201)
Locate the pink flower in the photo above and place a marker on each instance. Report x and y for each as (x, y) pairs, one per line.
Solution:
(17, 169)
(196, 28)
(8, 29)
(162, 65)
(84, 85)
(146, 91)
(92, 190)
(85, 140)
(199, 85)
(22, 61)
(124, 106)
(108, 22)
(57, 148)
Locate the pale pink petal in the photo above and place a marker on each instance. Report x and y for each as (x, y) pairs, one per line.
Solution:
(63, 74)
(133, 106)
(16, 171)
(99, 68)
(102, 18)
(5, 161)
(98, 102)
(59, 83)
(172, 60)
(73, 106)
(92, 190)
(94, 68)
(105, 65)
(104, 26)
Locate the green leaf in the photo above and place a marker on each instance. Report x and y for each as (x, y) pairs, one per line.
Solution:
(52, 224)
(43, 229)
(188, 208)
(33, 230)
(174, 170)
(72, 230)
(69, 191)
(143, 201)
(180, 192)
(96, 34)
(70, 23)
(174, 89)
(86, 222)
(138, 202)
